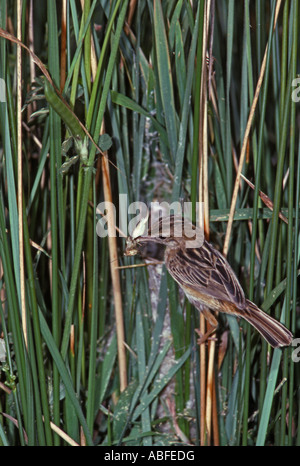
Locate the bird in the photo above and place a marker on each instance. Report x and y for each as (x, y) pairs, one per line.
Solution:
(205, 276)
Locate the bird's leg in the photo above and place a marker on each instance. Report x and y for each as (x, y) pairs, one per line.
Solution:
(213, 323)
(206, 336)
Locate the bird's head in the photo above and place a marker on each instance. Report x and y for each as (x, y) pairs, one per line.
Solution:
(170, 231)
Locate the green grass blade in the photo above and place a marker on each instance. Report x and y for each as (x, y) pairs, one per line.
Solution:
(268, 399)
(87, 182)
(65, 376)
(165, 77)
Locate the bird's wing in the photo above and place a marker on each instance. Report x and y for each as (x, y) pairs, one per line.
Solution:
(205, 270)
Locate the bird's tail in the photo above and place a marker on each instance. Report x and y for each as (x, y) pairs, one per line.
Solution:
(274, 332)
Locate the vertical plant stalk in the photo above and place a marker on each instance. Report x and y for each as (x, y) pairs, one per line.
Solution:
(113, 252)
(202, 384)
(208, 408)
(63, 54)
(245, 140)
(197, 97)
(203, 140)
(33, 106)
(202, 151)
(132, 7)
(195, 165)
(86, 6)
(20, 173)
(292, 229)
(286, 371)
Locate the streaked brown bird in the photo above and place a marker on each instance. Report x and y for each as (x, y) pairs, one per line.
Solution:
(205, 277)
